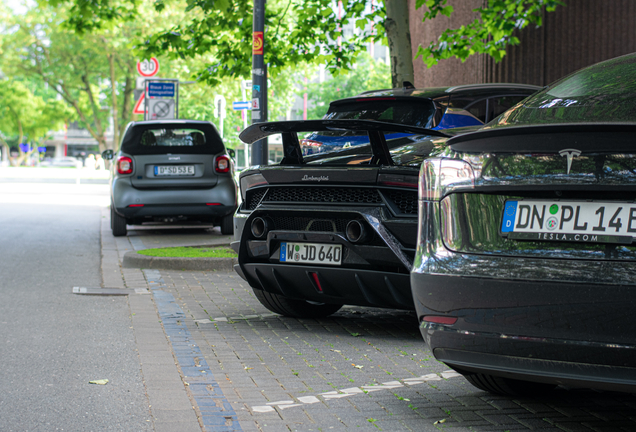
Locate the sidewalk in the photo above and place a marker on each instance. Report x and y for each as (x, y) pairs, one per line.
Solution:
(214, 359)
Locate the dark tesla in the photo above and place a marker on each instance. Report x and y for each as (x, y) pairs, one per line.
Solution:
(525, 271)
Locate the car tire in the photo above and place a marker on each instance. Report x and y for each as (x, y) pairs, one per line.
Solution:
(227, 225)
(508, 386)
(294, 308)
(117, 223)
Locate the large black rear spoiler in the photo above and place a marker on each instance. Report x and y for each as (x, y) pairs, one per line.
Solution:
(292, 153)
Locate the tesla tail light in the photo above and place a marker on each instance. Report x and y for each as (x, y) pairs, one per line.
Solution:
(250, 181)
(439, 176)
(124, 165)
(222, 164)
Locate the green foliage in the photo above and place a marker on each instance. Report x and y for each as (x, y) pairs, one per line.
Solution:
(368, 74)
(299, 32)
(190, 252)
(489, 34)
(27, 117)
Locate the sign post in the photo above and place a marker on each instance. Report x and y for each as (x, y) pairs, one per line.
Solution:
(219, 110)
(161, 99)
(260, 151)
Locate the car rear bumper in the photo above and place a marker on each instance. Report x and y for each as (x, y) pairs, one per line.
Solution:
(336, 285)
(214, 202)
(555, 332)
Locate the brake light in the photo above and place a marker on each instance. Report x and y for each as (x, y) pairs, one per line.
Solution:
(397, 180)
(250, 181)
(222, 164)
(212, 204)
(438, 176)
(447, 320)
(136, 205)
(124, 165)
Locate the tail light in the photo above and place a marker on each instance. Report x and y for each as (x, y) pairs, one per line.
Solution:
(397, 180)
(251, 181)
(439, 176)
(222, 164)
(124, 165)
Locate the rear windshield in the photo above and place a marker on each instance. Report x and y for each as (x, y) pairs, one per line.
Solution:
(413, 113)
(174, 139)
(605, 92)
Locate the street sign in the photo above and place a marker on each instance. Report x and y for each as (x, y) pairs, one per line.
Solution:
(241, 105)
(161, 109)
(139, 106)
(148, 68)
(161, 89)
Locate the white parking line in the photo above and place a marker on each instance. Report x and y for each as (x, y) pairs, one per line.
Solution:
(337, 394)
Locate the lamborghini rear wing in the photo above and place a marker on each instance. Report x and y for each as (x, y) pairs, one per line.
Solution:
(292, 152)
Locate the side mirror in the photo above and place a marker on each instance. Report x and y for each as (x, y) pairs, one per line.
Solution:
(108, 154)
(232, 153)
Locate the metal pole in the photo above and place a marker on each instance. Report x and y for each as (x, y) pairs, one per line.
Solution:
(260, 151)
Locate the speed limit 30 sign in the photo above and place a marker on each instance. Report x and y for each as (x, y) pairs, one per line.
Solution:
(148, 68)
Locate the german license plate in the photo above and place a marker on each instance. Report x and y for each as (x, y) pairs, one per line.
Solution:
(313, 253)
(572, 221)
(174, 170)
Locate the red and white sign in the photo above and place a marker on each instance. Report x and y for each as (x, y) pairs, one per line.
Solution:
(140, 105)
(148, 68)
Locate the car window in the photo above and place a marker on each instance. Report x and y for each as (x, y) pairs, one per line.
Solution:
(500, 104)
(416, 113)
(172, 138)
(479, 109)
(148, 139)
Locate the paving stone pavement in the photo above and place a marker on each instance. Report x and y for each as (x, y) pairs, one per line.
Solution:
(361, 369)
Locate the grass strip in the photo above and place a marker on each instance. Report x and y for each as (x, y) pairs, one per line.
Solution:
(190, 252)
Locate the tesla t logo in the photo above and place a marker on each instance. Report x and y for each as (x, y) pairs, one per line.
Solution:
(570, 153)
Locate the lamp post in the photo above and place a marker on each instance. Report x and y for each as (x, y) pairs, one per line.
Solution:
(260, 152)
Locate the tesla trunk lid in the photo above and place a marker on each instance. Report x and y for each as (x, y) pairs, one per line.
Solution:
(555, 192)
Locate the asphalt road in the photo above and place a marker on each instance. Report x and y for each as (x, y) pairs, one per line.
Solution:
(53, 342)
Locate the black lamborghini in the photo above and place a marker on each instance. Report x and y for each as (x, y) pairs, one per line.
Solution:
(316, 232)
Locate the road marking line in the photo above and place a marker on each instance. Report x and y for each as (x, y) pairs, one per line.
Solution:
(351, 391)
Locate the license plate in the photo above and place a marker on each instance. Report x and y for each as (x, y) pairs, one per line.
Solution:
(313, 253)
(572, 221)
(174, 170)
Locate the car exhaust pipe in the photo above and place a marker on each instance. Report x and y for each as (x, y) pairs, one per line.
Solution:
(260, 227)
(356, 232)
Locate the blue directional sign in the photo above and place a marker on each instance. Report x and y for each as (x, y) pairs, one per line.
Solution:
(161, 89)
(241, 105)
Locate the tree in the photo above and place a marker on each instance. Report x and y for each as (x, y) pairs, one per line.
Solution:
(368, 74)
(311, 31)
(28, 117)
(93, 73)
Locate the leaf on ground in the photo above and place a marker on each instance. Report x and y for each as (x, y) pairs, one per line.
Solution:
(440, 421)
(99, 381)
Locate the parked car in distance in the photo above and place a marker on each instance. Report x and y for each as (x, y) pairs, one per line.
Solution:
(316, 232)
(62, 162)
(171, 171)
(525, 271)
(435, 108)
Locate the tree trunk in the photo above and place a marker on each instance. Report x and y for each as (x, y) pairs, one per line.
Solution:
(399, 37)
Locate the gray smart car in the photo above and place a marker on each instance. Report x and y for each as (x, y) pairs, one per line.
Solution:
(171, 171)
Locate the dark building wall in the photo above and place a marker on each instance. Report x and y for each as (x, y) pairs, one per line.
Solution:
(574, 36)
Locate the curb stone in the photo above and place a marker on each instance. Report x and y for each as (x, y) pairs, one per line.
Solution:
(134, 260)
